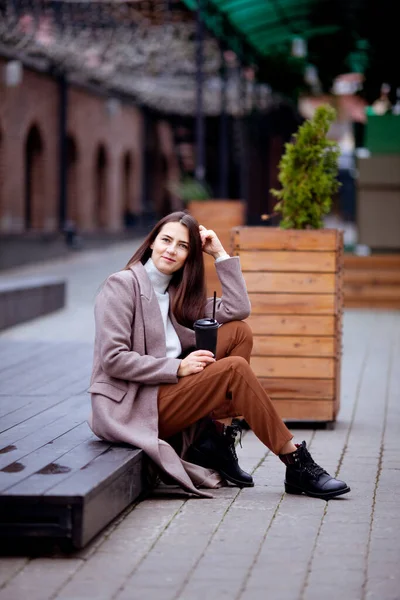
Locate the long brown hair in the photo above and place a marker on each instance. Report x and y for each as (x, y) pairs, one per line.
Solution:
(189, 282)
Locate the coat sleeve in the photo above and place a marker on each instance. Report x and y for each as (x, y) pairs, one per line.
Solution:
(114, 314)
(234, 305)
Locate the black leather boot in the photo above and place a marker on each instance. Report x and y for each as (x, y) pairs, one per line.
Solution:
(304, 476)
(216, 450)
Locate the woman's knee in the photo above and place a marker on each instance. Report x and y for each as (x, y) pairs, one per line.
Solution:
(239, 330)
(245, 331)
(234, 338)
(237, 363)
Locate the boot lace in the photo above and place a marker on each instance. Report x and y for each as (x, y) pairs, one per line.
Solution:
(310, 465)
(231, 433)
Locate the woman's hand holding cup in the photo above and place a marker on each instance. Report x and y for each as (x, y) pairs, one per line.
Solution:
(195, 362)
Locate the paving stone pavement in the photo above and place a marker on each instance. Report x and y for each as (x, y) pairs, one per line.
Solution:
(248, 544)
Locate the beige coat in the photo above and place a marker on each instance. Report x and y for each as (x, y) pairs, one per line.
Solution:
(130, 363)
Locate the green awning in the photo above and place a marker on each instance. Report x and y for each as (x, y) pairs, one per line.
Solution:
(265, 27)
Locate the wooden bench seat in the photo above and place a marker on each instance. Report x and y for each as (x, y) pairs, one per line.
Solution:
(24, 298)
(57, 480)
(372, 281)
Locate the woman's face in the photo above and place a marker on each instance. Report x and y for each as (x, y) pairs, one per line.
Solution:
(170, 248)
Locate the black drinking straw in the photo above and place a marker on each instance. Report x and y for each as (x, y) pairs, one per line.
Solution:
(215, 301)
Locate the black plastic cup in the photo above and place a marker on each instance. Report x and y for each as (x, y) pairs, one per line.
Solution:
(206, 334)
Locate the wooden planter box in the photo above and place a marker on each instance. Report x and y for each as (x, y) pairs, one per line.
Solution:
(294, 280)
(220, 216)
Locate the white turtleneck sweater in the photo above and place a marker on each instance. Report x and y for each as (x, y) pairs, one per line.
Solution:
(160, 282)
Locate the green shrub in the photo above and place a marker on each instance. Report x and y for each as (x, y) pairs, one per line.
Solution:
(308, 174)
(188, 189)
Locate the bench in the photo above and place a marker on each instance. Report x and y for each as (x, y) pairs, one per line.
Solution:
(57, 480)
(23, 299)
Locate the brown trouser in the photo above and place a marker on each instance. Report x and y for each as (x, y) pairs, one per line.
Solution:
(226, 388)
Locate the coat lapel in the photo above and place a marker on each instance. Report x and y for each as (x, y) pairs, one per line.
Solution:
(152, 319)
(186, 336)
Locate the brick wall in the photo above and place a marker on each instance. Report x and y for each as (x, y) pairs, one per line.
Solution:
(99, 126)
(99, 191)
(32, 103)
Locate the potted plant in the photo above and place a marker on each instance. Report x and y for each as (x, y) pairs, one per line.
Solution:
(189, 189)
(216, 214)
(294, 278)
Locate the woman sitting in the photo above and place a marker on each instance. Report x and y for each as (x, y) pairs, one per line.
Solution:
(150, 384)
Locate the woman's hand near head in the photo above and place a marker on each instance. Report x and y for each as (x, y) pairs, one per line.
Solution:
(210, 243)
(195, 362)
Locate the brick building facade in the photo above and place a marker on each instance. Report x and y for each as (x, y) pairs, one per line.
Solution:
(106, 145)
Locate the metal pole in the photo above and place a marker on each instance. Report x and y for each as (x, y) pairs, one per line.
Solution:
(243, 176)
(223, 135)
(62, 132)
(200, 171)
(146, 207)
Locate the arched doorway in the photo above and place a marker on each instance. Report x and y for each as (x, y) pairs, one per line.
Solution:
(126, 187)
(72, 182)
(34, 180)
(100, 187)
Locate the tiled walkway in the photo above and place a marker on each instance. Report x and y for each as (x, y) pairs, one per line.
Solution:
(244, 544)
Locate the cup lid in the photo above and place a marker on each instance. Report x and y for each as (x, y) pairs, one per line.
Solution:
(206, 322)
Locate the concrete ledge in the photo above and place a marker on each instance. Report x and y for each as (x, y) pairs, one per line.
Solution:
(32, 247)
(28, 248)
(24, 299)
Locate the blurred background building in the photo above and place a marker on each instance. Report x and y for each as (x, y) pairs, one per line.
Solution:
(106, 105)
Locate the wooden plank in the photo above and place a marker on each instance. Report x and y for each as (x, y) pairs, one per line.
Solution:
(367, 303)
(219, 215)
(337, 398)
(56, 366)
(117, 493)
(287, 387)
(45, 434)
(60, 386)
(20, 518)
(372, 281)
(41, 457)
(14, 352)
(375, 261)
(9, 404)
(275, 366)
(339, 280)
(273, 238)
(80, 506)
(292, 324)
(295, 304)
(373, 277)
(60, 467)
(40, 430)
(75, 387)
(87, 482)
(270, 260)
(287, 345)
(78, 376)
(27, 364)
(32, 417)
(386, 292)
(308, 283)
(305, 410)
